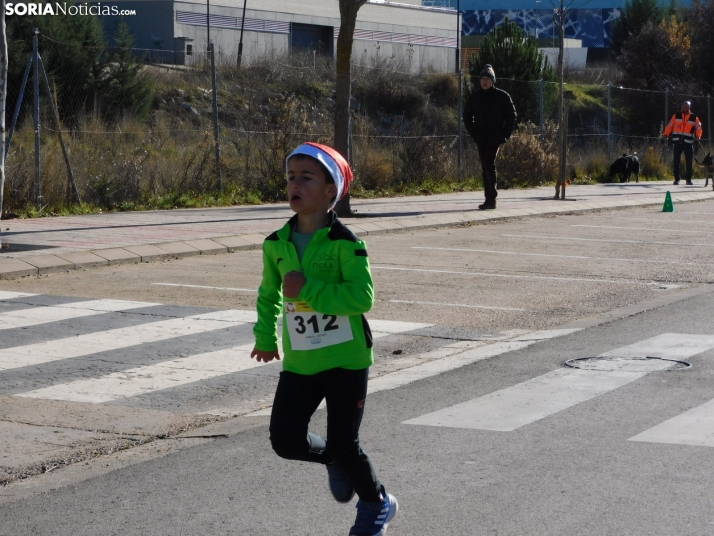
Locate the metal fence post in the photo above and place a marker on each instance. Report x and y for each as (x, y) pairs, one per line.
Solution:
(350, 141)
(216, 132)
(666, 106)
(459, 119)
(3, 101)
(666, 119)
(609, 122)
(709, 120)
(459, 71)
(36, 74)
(70, 173)
(540, 91)
(18, 105)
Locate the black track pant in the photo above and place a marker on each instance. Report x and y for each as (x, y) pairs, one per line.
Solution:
(297, 398)
(688, 151)
(487, 154)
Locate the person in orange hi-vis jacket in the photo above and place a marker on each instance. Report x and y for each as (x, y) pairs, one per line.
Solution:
(681, 130)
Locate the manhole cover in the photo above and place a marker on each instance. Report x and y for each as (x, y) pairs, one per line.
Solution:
(627, 363)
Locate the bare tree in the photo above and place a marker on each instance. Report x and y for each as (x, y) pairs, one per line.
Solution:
(345, 39)
(3, 98)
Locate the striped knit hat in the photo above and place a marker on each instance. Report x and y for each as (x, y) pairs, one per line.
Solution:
(333, 162)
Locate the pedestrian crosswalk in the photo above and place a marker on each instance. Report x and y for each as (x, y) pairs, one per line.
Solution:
(537, 398)
(170, 356)
(520, 405)
(104, 374)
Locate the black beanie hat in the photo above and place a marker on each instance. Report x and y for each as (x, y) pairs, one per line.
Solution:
(489, 72)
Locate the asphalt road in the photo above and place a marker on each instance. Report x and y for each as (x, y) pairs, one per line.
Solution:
(520, 274)
(575, 472)
(611, 279)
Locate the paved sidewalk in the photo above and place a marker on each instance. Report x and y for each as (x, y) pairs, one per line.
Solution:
(43, 245)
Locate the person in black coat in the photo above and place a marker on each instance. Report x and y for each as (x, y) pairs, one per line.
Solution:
(489, 117)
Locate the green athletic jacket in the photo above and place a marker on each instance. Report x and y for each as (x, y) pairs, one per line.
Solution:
(339, 284)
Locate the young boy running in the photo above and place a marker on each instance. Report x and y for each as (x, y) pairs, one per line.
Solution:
(317, 271)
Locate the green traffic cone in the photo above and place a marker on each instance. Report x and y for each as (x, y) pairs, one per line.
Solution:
(668, 206)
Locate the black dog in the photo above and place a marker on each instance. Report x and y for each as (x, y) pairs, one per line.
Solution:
(626, 166)
(708, 164)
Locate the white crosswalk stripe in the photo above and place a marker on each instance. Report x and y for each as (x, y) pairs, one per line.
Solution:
(141, 379)
(694, 427)
(66, 311)
(114, 339)
(513, 407)
(5, 295)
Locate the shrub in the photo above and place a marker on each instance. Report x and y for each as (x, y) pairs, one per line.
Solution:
(594, 168)
(373, 168)
(442, 89)
(423, 159)
(526, 159)
(653, 166)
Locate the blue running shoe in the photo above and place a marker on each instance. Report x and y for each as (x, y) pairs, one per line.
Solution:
(340, 484)
(373, 517)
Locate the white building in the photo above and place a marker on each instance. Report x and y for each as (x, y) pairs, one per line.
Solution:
(574, 55)
(174, 31)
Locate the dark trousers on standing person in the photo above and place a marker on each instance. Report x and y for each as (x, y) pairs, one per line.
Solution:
(688, 150)
(487, 154)
(296, 400)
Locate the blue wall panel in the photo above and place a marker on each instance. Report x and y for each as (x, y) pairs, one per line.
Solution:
(590, 25)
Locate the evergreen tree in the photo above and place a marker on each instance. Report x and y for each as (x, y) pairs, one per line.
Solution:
(635, 15)
(514, 55)
(652, 60)
(70, 47)
(701, 17)
(124, 88)
(649, 60)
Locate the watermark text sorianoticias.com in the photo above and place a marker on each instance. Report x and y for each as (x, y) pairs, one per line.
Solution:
(22, 8)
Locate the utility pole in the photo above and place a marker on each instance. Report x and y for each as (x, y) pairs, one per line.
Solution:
(240, 42)
(208, 26)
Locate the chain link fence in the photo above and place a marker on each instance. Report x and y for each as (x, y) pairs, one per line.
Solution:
(405, 130)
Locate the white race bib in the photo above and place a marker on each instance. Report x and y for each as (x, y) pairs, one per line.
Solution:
(310, 330)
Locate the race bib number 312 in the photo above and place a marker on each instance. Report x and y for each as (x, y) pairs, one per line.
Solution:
(310, 330)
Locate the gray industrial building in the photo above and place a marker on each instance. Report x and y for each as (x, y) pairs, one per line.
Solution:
(174, 31)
